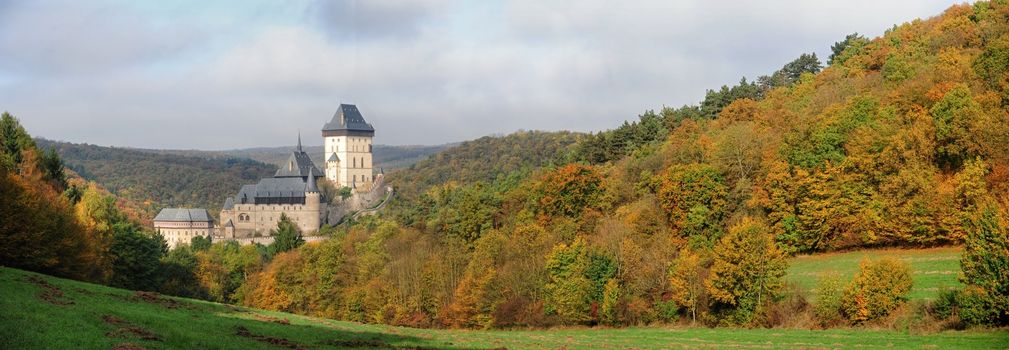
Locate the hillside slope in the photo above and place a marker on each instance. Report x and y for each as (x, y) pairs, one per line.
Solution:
(42, 312)
(160, 180)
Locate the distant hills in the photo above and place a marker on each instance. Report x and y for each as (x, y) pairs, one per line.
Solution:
(154, 179)
(386, 157)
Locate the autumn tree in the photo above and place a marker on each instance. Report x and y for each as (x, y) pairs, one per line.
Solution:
(879, 288)
(568, 191)
(694, 197)
(747, 271)
(569, 291)
(686, 281)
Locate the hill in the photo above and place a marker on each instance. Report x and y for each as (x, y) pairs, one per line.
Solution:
(160, 180)
(385, 156)
(42, 312)
(690, 214)
(487, 159)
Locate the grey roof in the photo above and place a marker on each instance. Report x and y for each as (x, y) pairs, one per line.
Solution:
(229, 224)
(183, 214)
(347, 117)
(333, 158)
(311, 187)
(297, 165)
(274, 187)
(229, 203)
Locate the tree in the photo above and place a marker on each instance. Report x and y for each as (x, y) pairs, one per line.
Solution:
(747, 271)
(286, 237)
(611, 300)
(985, 264)
(136, 257)
(568, 191)
(694, 197)
(686, 281)
(852, 43)
(569, 291)
(878, 289)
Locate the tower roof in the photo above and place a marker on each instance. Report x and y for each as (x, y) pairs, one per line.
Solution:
(311, 187)
(297, 165)
(348, 118)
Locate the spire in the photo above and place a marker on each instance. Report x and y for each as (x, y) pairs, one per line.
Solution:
(311, 182)
(299, 140)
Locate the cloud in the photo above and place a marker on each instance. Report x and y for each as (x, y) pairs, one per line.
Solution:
(368, 19)
(422, 73)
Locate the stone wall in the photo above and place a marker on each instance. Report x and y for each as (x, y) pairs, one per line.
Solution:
(360, 200)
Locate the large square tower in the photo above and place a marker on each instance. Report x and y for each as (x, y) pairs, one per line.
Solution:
(347, 148)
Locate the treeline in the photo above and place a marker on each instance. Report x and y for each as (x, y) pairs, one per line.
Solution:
(689, 213)
(62, 225)
(156, 181)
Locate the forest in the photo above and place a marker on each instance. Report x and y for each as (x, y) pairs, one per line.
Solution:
(684, 216)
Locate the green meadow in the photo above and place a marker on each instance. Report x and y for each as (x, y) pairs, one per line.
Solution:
(42, 312)
(933, 269)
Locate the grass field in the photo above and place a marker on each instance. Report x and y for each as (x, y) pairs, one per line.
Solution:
(41, 312)
(932, 269)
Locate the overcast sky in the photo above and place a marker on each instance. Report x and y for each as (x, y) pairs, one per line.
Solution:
(248, 73)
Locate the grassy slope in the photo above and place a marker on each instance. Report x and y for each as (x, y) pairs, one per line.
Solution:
(30, 322)
(933, 269)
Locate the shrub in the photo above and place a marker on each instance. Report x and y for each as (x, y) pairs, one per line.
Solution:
(945, 304)
(830, 290)
(976, 307)
(879, 288)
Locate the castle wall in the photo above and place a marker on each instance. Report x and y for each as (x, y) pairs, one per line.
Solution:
(176, 233)
(262, 218)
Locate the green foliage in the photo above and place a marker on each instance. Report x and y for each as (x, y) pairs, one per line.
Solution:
(829, 293)
(878, 289)
(985, 265)
(569, 291)
(945, 304)
(846, 48)
(14, 140)
(136, 257)
(155, 180)
(614, 144)
(992, 65)
(695, 199)
(610, 302)
(286, 237)
(951, 116)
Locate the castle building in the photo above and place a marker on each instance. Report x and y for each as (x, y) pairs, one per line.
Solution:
(180, 225)
(347, 149)
(292, 191)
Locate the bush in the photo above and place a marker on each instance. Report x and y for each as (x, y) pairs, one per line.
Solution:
(945, 305)
(976, 307)
(878, 289)
(830, 290)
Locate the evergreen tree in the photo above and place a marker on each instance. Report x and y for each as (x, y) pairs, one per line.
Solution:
(286, 237)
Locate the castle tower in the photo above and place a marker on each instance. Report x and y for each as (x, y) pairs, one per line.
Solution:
(313, 200)
(348, 146)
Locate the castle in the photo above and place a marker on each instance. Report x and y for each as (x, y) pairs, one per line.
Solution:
(294, 190)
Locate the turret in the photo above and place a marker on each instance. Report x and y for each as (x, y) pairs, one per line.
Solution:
(313, 201)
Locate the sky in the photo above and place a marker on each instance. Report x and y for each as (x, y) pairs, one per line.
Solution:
(214, 75)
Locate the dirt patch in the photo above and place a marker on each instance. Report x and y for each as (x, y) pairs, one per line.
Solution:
(49, 293)
(283, 321)
(128, 346)
(155, 298)
(281, 342)
(127, 329)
